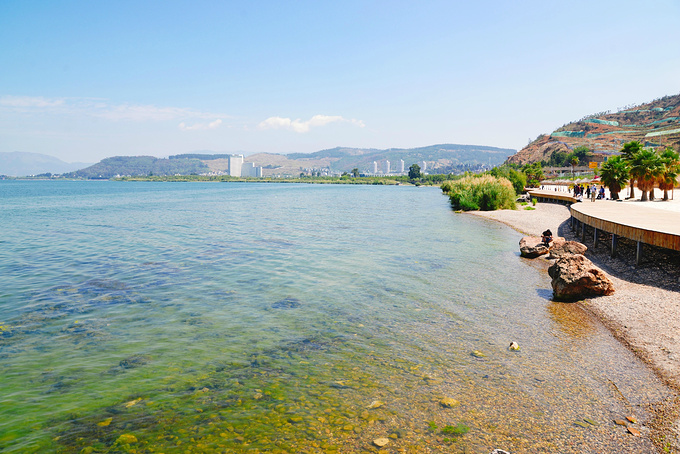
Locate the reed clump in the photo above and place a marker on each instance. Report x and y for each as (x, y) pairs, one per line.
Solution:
(480, 192)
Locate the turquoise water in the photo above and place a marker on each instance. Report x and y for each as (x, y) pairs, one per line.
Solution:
(192, 317)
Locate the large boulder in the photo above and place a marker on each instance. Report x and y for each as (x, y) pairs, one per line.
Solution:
(567, 248)
(575, 277)
(531, 246)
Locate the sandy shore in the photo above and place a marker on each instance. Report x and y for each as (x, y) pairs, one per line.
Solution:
(644, 311)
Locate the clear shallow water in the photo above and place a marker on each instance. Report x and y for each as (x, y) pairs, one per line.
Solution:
(270, 317)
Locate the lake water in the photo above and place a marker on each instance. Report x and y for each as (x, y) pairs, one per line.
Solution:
(226, 317)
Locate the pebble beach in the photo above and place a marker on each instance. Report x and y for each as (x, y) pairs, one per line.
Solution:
(644, 311)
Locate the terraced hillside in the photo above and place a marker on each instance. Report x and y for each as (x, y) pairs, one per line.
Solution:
(655, 124)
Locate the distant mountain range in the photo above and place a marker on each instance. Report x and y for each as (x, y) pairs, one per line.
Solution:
(655, 124)
(21, 164)
(443, 158)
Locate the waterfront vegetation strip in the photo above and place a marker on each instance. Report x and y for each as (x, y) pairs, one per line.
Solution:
(482, 192)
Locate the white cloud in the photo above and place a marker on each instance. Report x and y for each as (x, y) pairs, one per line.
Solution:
(200, 126)
(304, 126)
(30, 101)
(102, 108)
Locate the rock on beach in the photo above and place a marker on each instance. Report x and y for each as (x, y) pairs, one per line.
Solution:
(575, 277)
(531, 246)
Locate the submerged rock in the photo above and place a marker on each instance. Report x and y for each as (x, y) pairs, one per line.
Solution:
(126, 439)
(575, 277)
(287, 303)
(448, 402)
(514, 346)
(380, 442)
(375, 404)
(134, 361)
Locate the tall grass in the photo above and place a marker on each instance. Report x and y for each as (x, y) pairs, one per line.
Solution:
(480, 192)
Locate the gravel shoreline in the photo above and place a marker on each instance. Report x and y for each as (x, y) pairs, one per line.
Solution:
(644, 311)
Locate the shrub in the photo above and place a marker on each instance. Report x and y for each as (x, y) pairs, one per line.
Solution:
(485, 192)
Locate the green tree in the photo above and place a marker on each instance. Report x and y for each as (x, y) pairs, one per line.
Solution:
(645, 168)
(355, 172)
(573, 162)
(614, 175)
(534, 173)
(628, 151)
(414, 172)
(582, 154)
(671, 168)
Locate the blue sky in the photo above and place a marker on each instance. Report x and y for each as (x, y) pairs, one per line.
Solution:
(84, 80)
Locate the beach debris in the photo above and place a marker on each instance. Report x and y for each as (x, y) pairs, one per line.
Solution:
(633, 431)
(478, 354)
(380, 442)
(632, 419)
(575, 277)
(375, 404)
(514, 347)
(448, 402)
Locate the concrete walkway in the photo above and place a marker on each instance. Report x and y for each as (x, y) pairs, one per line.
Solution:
(636, 221)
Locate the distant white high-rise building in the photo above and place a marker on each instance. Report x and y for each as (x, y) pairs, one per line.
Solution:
(235, 163)
(386, 166)
(249, 169)
(375, 167)
(401, 166)
(423, 168)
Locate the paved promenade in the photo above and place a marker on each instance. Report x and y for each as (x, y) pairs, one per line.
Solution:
(654, 222)
(658, 227)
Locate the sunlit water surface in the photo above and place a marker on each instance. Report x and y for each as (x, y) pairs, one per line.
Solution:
(163, 317)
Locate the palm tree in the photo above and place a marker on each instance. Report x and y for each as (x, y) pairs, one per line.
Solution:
(671, 163)
(628, 151)
(574, 162)
(645, 168)
(614, 175)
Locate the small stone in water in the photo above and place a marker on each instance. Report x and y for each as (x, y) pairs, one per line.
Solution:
(581, 424)
(514, 346)
(632, 419)
(478, 354)
(620, 422)
(634, 431)
(590, 421)
(448, 402)
(380, 442)
(375, 404)
(126, 439)
(132, 402)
